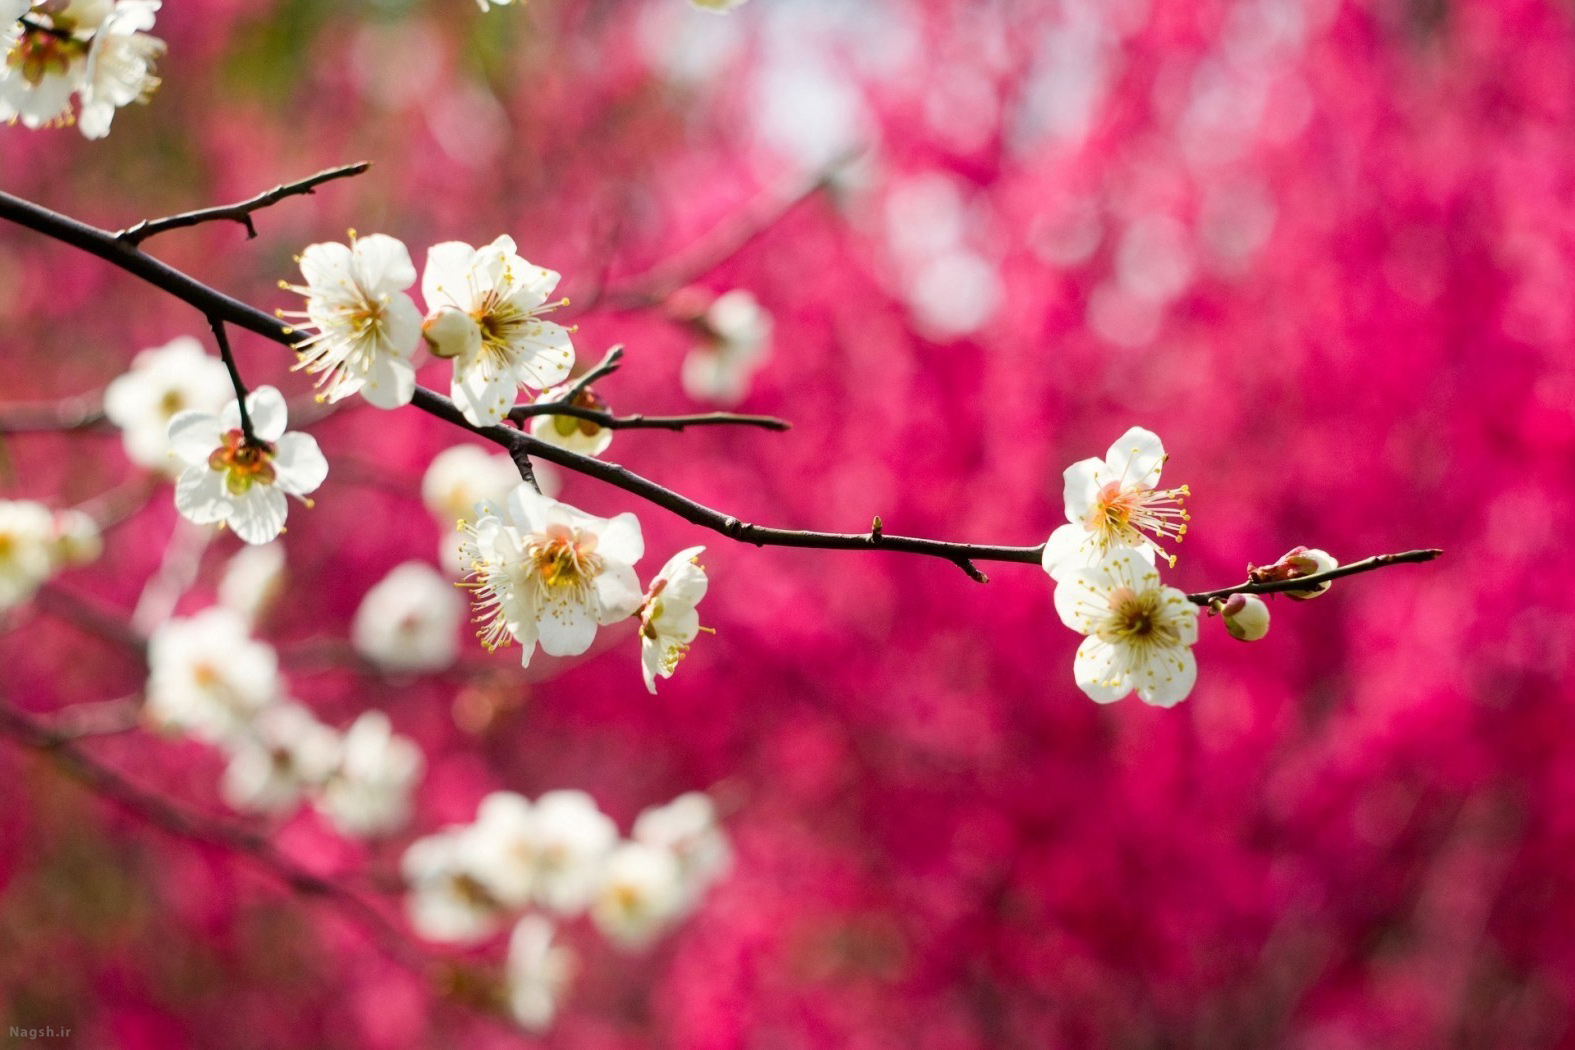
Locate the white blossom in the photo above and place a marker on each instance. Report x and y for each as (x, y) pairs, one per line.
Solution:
(208, 676)
(484, 312)
(542, 571)
(119, 66)
(284, 754)
(1115, 504)
(572, 839)
(641, 892)
(409, 621)
(445, 898)
(463, 476)
(40, 67)
(1246, 617)
(1139, 632)
(253, 580)
(164, 381)
(366, 326)
(27, 537)
(570, 432)
(668, 619)
(736, 332)
(687, 827)
(368, 793)
(537, 972)
(506, 839)
(230, 480)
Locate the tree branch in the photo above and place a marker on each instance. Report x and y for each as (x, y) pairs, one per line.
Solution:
(241, 211)
(1302, 583)
(638, 421)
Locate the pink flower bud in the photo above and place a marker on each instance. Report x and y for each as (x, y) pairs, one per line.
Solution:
(448, 331)
(1304, 562)
(1246, 617)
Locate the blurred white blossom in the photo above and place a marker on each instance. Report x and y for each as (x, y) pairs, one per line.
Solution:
(572, 840)
(164, 381)
(640, 893)
(252, 580)
(27, 536)
(735, 336)
(409, 620)
(537, 972)
(284, 754)
(368, 793)
(208, 676)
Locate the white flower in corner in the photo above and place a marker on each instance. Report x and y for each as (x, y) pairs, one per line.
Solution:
(542, 571)
(688, 828)
(446, 899)
(164, 381)
(1139, 632)
(1115, 504)
(284, 754)
(27, 537)
(640, 893)
(668, 620)
(736, 333)
(368, 792)
(119, 67)
(243, 485)
(208, 676)
(570, 432)
(538, 973)
(572, 839)
(409, 621)
(367, 328)
(484, 313)
(40, 66)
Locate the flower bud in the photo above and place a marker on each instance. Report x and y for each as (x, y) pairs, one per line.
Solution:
(1246, 617)
(1304, 562)
(77, 540)
(449, 332)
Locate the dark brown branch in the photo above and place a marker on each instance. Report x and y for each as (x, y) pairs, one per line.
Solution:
(638, 421)
(1302, 583)
(240, 212)
(610, 363)
(217, 324)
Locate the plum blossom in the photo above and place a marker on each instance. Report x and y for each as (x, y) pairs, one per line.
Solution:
(368, 793)
(208, 676)
(461, 477)
(1139, 632)
(572, 840)
(1114, 504)
(576, 435)
(687, 827)
(640, 893)
(40, 66)
(284, 754)
(228, 479)
(119, 66)
(367, 327)
(537, 973)
(446, 899)
(735, 335)
(668, 620)
(409, 621)
(27, 536)
(484, 313)
(543, 571)
(163, 382)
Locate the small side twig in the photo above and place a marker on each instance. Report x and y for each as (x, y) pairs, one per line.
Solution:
(219, 336)
(1302, 583)
(241, 211)
(610, 363)
(640, 421)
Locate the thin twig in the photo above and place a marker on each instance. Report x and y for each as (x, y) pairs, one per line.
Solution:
(240, 212)
(217, 324)
(639, 421)
(610, 363)
(1302, 583)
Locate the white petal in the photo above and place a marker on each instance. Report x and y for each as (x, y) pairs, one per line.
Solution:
(446, 279)
(258, 515)
(1081, 599)
(1095, 669)
(1081, 483)
(391, 382)
(618, 592)
(200, 495)
(382, 264)
(1135, 458)
(298, 463)
(483, 401)
(621, 540)
(567, 627)
(546, 355)
(1167, 678)
(401, 326)
(194, 436)
(269, 414)
(1070, 547)
(326, 265)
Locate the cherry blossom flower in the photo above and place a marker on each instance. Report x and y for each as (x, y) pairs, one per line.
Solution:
(576, 435)
(40, 66)
(736, 333)
(1114, 504)
(640, 893)
(668, 620)
(367, 327)
(543, 571)
(1139, 632)
(368, 793)
(163, 382)
(27, 535)
(119, 66)
(229, 480)
(409, 621)
(1246, 617)
(281, 756)
(446, 899)
(687, 827)
(484, 313)
(208, 676)
(572, 839)
(537, 973)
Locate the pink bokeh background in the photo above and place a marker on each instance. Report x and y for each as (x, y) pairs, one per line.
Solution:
(1324, 249)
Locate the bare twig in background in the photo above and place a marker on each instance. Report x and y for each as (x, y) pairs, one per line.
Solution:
(240, 212)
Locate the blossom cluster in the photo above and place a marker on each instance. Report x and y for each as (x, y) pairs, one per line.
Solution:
(1138, 633)
(209, 677)
(36, 543)
(98, 50)
(560, 856)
